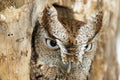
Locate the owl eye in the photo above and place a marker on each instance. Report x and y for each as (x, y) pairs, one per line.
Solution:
(51, 43)
(88, 47)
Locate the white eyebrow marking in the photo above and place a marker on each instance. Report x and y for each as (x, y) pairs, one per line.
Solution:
(85, 32)
(55, 27)
(58, 30)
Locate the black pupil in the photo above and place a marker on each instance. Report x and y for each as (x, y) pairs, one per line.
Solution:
(53, 43)
(86, 46)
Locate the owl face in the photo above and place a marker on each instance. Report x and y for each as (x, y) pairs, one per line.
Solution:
(61, 41)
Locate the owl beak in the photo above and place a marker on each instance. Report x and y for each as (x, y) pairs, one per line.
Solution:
(69, 67)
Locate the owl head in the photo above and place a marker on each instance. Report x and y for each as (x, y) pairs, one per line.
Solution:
(62, 40)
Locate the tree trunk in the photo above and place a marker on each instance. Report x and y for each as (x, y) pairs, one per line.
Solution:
(17, 21)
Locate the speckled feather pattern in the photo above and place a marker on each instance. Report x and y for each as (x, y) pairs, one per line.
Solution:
(72, 36)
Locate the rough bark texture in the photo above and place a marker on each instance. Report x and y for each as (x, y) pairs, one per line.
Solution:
(17, 23)
(15, 44)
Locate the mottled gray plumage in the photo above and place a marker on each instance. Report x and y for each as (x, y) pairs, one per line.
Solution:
(64, 47)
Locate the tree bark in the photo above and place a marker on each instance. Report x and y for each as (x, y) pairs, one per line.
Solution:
(15, 43)
(17, 24)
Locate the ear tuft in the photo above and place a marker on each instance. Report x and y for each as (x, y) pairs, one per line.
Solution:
(51, 11)
(49, 15)
(96, 21)
(99, 17)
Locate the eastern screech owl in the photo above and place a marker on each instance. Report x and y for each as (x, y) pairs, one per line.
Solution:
(64, 47)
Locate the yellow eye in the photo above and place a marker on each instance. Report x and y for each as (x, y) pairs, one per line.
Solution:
(51, 43)
(88, 47)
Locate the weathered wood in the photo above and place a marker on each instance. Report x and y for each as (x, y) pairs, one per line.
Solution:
(105, 66)
(15, 44)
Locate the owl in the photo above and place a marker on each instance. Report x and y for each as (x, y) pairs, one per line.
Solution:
(63, 47)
